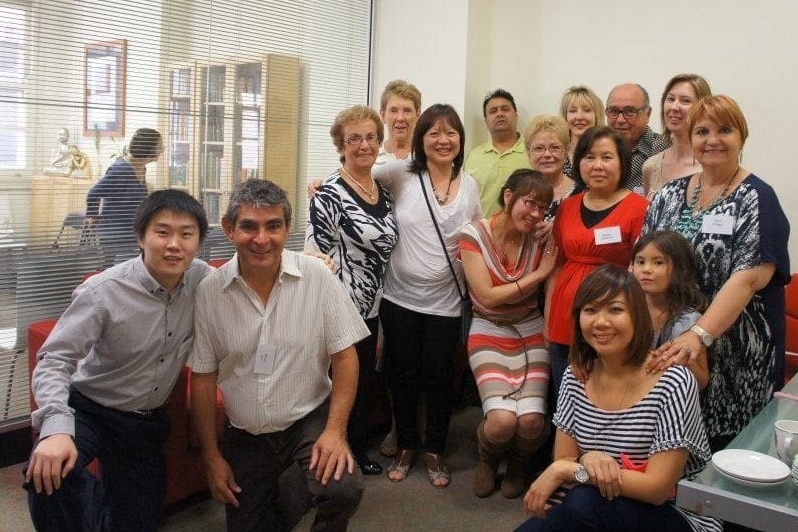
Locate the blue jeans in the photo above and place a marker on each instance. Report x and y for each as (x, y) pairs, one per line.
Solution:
(585, 509)
(131, 493)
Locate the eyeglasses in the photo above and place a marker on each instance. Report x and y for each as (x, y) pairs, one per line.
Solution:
(628, 112)
(356, 140)
(532, 205)
(555, 149)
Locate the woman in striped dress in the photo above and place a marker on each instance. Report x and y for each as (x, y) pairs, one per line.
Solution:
(504, 266)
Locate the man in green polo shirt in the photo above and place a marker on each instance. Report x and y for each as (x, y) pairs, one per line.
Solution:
(492, 162)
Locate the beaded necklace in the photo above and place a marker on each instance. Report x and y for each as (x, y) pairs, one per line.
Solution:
(691, 216)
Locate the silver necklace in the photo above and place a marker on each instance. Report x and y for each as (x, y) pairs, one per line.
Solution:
(369, 193)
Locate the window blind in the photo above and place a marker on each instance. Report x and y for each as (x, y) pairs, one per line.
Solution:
(237, 89)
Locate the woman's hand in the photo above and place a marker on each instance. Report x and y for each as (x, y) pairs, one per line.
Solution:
(328, 261)
(605, 473)
(313, 186)
(537, 496)
(543, 230)
(548, 260)
(682, 350)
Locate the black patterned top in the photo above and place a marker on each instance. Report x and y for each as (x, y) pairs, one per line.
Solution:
(358, 235)
(748, 359)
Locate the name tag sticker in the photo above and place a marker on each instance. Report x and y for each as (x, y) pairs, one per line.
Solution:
(607, 235)
(265, 358)
(719, 224)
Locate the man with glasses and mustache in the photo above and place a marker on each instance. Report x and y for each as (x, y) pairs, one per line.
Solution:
(491, 162)
(628, 111)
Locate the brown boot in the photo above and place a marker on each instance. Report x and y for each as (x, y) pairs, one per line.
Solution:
(490, 454)
(514, 480)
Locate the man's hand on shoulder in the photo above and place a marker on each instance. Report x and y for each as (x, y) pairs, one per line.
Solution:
(51, 460)
(331, 457)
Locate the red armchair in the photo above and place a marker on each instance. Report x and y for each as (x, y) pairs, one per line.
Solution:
(791, 362)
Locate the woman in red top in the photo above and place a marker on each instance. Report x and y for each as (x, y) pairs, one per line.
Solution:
(594, 227)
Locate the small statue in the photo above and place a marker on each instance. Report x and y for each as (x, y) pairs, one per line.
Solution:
(65, 158)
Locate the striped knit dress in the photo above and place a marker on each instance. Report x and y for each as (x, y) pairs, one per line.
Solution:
(505, 345)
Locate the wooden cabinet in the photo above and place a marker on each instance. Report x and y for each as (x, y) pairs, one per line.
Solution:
(230, 121)
(51, 199)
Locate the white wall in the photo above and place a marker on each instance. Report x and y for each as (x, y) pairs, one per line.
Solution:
(458, 50)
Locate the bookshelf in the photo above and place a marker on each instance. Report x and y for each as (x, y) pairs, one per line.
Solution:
(230, 121)
(180, 134)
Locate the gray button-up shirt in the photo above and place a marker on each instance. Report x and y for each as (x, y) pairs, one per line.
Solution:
(122, 343)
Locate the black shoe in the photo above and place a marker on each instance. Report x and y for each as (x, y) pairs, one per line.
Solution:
(368, 466)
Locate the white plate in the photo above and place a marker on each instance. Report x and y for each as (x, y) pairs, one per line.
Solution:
(750, 483)
(750, 465)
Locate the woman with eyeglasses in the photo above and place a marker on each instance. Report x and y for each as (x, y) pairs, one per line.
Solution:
(547, 139)
(581, 108)
(351, 220)
(594, 227)
(680, 94)
(420, 311)
(505, 264)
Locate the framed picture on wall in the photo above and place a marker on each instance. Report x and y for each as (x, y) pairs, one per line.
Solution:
(104, 73)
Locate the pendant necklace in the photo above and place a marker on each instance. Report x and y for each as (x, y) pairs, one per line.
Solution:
(441, 199)
(370, 193)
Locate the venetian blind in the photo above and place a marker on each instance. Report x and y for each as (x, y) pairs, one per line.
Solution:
(237, 89)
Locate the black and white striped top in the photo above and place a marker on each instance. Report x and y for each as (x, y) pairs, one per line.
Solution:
(667, 418)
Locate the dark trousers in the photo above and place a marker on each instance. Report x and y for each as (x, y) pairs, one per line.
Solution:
(585, 509)
(421, 350)
(131, 493)
(359, 416)
(558, 355)
(257, 462)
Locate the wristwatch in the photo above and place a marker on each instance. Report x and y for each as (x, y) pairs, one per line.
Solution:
(705, 337)
(580, 474)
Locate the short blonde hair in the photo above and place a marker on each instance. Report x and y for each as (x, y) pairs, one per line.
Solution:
(402, 89)
(547, 124)
(582, 94)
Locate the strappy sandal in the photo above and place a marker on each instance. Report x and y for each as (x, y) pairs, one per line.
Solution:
(439, 475)
(401, 465)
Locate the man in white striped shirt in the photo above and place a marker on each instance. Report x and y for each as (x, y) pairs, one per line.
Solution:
(269, 325)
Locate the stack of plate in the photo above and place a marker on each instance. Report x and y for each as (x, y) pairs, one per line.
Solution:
(750, 468)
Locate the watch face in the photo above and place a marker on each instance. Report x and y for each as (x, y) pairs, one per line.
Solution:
(581, 475)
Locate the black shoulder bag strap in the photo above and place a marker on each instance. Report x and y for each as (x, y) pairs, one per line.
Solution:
(463, 294)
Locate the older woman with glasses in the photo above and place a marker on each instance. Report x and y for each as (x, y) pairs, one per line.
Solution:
(547, 139)
(351, 219)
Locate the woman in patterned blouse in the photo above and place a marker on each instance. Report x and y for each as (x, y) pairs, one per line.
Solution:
(351, 219)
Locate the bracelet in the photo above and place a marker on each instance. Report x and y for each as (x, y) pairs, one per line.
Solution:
(519, 288)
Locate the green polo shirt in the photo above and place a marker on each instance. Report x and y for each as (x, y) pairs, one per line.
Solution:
(490, 169)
